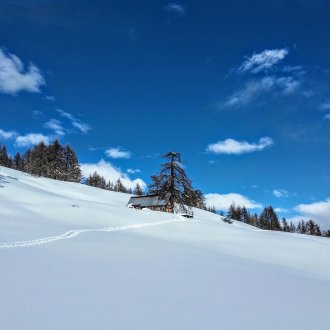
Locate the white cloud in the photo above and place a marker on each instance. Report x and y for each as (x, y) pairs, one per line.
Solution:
(83, 127)
(7, 135)
(110, 172)
(279, 193)
(133, 171)
(117, 153)
(176, 8)
(15, 78)
(263, 61)
(223, 201)
(281, 210)
(254, 88)
(319, 211)
(327, 116)
(31, 139)
(231, 146)
(55, 125)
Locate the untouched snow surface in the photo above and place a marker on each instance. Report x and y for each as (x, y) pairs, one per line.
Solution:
(74, 257)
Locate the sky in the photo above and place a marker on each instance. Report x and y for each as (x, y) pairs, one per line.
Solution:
(241, 89)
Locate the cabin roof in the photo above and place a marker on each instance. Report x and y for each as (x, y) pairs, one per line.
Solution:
(148, 201)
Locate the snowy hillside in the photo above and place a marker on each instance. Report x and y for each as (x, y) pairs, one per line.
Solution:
(74, 257)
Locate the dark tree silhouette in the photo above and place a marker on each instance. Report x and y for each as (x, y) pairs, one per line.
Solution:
(172, 182)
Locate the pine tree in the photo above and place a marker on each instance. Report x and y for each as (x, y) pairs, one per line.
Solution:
(119, 187)
(18, 163)
(38, 160)
(285, 226)
(4, 158)
(238, 215)
(254, 220)
(96, 180)
(10, 162)
(138, 190)
(317, 230)
(27, 161)
(55, 161)
(232, 213)
(72, 169)
(301, 227)
(109, 186)
(292, 228)
(269, 219)
(245, 216)
(195, 198)
(172, 182)
(212, 209)
(310, 227)
(326, 233)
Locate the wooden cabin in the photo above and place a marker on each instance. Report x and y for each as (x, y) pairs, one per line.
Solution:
(156, 203)
(152, 202)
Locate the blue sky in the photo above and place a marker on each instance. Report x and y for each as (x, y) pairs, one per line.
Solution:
(241, 89)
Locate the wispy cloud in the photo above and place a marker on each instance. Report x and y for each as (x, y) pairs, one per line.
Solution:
(262, 74)
(325, 105)
(231, 146)
(7, 135)
(49, 97)
(65, 114)
(82, 127)
(280, 193)
(31, 139)
(55, 125)
(110, 172)
(37, 113)
(263, 61)
(223, 201)
(118, 153)
(15, 78)
(175, 8)
(256, 87)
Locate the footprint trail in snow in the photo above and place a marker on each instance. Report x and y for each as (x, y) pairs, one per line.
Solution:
(76, 232)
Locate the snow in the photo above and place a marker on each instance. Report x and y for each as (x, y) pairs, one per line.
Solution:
(75, 257)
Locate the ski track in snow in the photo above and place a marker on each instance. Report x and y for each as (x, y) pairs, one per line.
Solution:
(76, 232)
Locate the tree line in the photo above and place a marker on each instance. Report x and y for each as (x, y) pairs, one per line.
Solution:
(52, 161)
(98, 181)
(268, 220)
(61, 163)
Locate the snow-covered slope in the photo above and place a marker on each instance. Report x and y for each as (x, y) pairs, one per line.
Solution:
(74, 257)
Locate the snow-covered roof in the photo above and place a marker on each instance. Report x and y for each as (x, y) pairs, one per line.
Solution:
(148, 201)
